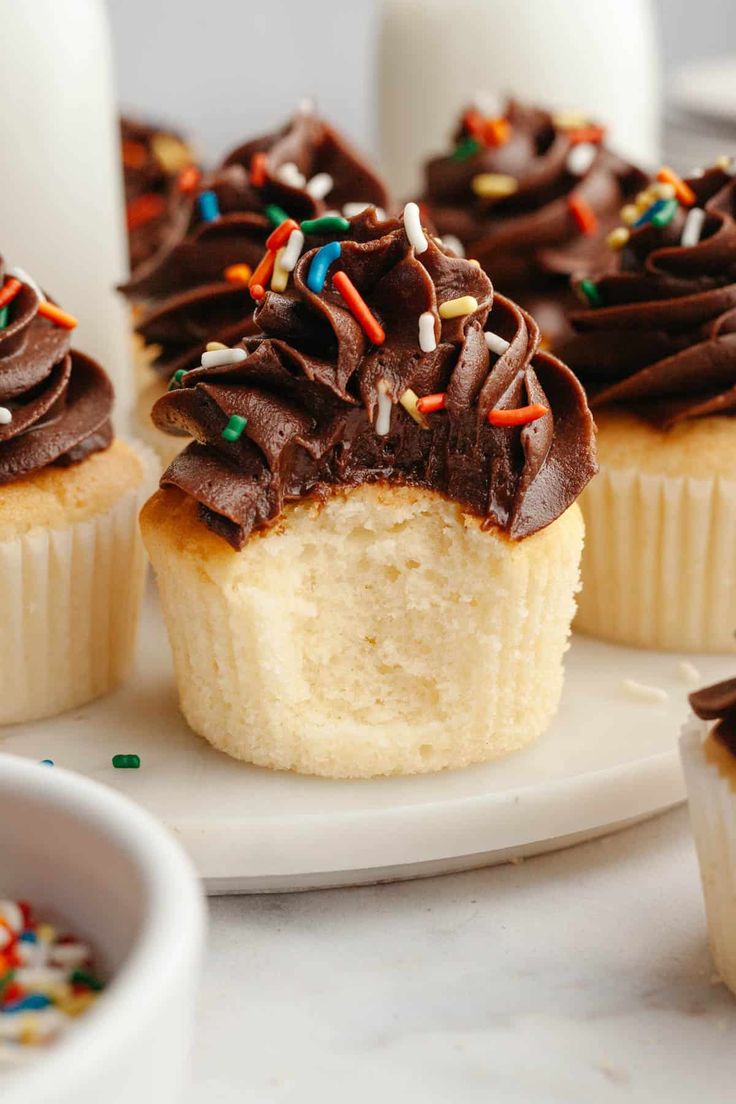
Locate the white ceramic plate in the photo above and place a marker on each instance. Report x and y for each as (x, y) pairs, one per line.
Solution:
(607, 760)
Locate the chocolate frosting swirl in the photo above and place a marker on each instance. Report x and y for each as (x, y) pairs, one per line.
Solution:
(59, 400)
(311, 384)
(528, 240)
(718, 703)
(189, 300)
(663, 342)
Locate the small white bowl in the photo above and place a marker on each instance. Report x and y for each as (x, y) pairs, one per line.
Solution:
(83, 853)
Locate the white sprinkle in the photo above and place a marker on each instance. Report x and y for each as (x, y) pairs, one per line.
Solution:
(40, 977)
(641, 692)
(69, 954)
(9, 910)
(581, 157)
(496, 343)
(413, 227)
(6, 416)
(383, 421)
(427, 341)
(292, 250)
(453, 243)
(488, 103)
(697, 171)
(306, 106)
(289, 173)
(320, 185)
(693, 227)
(688, 672)
(219, 357)
(22, 275)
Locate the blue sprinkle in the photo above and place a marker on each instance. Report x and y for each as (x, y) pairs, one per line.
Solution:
(323, 258)
(47, 762)
(650, 212)
(209, 208)
(32, 1003)
(28, 937)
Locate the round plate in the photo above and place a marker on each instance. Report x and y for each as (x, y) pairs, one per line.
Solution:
(608, 759)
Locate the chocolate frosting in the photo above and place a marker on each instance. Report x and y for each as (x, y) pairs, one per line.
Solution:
(60, 400)
(189, 301)
(718, 703)
(309, 391)
(663, 342)
(529, 241)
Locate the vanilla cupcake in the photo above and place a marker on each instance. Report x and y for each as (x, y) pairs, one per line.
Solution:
(368, 557)
(656, 351)
(71, 563)
(709, 762)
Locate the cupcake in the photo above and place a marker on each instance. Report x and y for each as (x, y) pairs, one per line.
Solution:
(195, 288)
(656, 350)
(367, 558)
(709, 761)
(71, 563)
(531, 196)
(153, 161)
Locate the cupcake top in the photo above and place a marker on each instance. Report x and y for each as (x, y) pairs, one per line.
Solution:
(532, 196)
(383, 358)
(55, 402)
(153, 158)
(659, 337)
(718, 703)
(195, 285)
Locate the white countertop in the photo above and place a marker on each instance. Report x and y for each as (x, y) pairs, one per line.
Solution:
(578, 976)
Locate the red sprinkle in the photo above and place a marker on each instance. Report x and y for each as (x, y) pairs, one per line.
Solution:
(257, 291)
(143, 208)
(9, 292)
(134, 154)
(258, 164)
(583, 214)
(262, 274)
(474, 123)
(496, 132)
(281, 234)
(189, 179)
(592, 133)
(429, 403)
(358, 306)
(521, 415)
(12, 992)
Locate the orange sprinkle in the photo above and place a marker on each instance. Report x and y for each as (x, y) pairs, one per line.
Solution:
(258, 164)
(134, 154)
(583, 214)
(281, 234)
(520, 415)
(429, 403)
(592, 133)
(474, 123)
(257, 291)
(358, 306)
(9, 291)
(683, 191)
(189, 179)
(144, 208)
(238, 273)
(496, 132)
(56, 315)
(262, 273)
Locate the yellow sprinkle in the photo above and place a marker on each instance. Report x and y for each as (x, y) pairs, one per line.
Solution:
(725, 163)
(472, 260)
(77, 1003)
(491, 185)
(409, 402)
(569, 120)
(663, 191)
(458, 308)
(618, 238)
(645, 199)
(280, 277)
(629, 214)
(171, 154)
(211, 346)
(46, 933)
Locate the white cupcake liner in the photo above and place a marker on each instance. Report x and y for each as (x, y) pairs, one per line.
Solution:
(659, 567)
(69, 603)
(712, 800)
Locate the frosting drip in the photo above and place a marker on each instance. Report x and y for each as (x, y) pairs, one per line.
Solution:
(312, 393)
(718, 703)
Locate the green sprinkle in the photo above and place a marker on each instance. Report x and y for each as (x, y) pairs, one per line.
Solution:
(465, 149)
(276, 214)
(328, 224)
(665, 214)
(234, 428)
(83, 977)
(591, 293)
(3, 317)
(126, 761)
(174, 381)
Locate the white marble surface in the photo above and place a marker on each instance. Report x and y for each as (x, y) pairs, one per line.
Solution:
(578, 976)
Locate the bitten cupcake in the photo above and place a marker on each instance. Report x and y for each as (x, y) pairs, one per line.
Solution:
(71, 562)
(709, 761)
(531, 196)
(368, 557)
(657, 352)
(196, 287)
